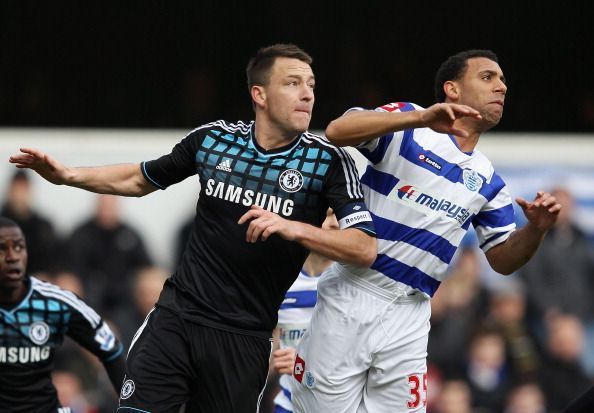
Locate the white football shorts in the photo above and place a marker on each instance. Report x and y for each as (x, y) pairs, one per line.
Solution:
(363, 352)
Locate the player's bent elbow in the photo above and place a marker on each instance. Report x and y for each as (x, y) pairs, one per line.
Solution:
(142, 188)
(367, 262)
(333, 133)
(504, 271)
(330, 131)
(502, 268)
(368, 253)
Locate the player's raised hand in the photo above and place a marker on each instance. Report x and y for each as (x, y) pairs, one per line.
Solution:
(46, 166)
(283, 360)
(542, 212)
(442, 116)
(264, 223)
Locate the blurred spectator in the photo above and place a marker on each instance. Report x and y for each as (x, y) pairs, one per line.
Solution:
(562, 377)
(560, 277)
(526, 398)
(89, 375)
(455, 397)
(70, 392)
(73, 360)
(561, 274)
(507, 311)
(584, 403)
(486, 371)
(147, 284)
(434, 385)
(455, 309)
(38, 231)
(105, 252)
(69, 281)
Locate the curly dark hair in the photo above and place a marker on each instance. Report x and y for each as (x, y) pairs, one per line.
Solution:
(454, 68)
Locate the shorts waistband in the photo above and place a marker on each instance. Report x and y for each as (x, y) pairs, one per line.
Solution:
(399, 297)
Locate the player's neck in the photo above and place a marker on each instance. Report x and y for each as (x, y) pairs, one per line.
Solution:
(270, 136)
(467, 144)
(316, 264)
(10, 296)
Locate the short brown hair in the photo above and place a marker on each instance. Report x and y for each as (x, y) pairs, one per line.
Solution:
(258, 68)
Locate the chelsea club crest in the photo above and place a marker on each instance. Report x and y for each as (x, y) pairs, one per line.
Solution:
(127, 389)
(39, 332)
(291, 180)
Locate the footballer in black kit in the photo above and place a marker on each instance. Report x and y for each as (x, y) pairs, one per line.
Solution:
(34, 325)
(299, 182)
(239, 296)
(265, 189)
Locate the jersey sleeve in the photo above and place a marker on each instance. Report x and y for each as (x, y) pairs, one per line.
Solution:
(176, 166)
(343, 193)
(89, 330)
(375, 149)
(495, 221)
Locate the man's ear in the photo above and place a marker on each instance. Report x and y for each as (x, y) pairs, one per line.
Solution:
(258, 96)
(451, 90)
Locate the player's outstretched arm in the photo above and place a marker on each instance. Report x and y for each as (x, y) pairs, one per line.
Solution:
(123, 179)
(356, 127)
(517, 250)
(348, 245)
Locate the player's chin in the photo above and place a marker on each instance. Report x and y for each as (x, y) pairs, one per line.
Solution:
(301, 121)
(12, 283)
(492, 119)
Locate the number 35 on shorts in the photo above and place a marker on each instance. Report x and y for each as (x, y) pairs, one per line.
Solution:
(418, 390)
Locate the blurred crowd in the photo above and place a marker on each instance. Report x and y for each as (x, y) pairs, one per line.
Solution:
(517, 344)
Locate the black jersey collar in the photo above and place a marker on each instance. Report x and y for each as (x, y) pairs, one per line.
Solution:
(274, 151)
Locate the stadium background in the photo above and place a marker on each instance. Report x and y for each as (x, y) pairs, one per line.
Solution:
(114, 82)
(177, 65)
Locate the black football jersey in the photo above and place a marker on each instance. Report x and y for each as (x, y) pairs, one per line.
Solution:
(222, 280)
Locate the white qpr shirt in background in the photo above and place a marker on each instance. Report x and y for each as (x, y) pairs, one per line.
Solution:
(293, 320)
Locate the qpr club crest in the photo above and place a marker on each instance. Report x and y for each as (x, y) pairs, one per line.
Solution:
(39, 332)
(472, 180)
(310, 380)
(291, 180)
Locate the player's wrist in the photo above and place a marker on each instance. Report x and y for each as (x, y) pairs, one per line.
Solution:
(418, 118)
(68, 176)
(303, 233)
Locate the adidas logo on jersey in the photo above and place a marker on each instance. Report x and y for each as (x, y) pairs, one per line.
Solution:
(224, 166)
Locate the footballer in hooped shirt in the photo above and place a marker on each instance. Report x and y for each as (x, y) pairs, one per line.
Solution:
(425, 184)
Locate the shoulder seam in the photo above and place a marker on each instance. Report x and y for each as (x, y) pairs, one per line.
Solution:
(68, 298)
